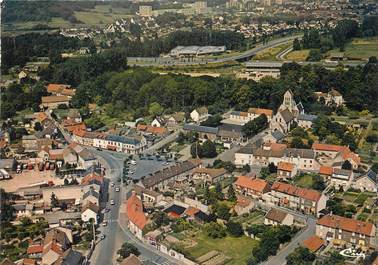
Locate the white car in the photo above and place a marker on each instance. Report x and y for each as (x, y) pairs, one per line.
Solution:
(111, 184)
(102, 236)
(104, 223)
(112, 202)
(133, 162)
(117, 189)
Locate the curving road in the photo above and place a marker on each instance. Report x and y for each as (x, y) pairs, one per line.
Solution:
(168, 61)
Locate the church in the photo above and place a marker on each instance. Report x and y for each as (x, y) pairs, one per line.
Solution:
(287, 114)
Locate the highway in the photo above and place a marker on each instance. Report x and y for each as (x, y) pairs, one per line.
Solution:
(168, 61)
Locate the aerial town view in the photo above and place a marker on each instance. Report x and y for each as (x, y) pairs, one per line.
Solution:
(189, 132)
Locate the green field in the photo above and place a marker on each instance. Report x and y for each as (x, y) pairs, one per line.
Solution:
(304, 181)
(271, 53)
(361, 48)
(237, 248)
(298, 55)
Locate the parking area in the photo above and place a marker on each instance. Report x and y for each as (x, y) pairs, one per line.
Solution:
(30, 178)
(147, 165)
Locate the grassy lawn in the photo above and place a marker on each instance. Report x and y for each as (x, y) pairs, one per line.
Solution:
(256, 217)
(101, 15)
(298, 55)
(237, 248)
(350, 196)
(361, 198)
(304, 181)
(271, 53)
(361, 48)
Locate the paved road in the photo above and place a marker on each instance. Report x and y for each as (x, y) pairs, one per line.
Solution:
(105, 250)
(280, 258)
(168, 61)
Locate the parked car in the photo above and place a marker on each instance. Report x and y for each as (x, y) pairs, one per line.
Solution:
(112, 202)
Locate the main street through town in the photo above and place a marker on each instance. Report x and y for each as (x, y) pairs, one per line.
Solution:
(116, 232)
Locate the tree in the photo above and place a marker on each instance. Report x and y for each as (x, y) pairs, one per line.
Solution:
(215, 230)
(54, 200)
(246, 168)
(160, 218)
(196, 150)
(209, 149)
(127, 249)
(346, 165)
(300, 256)
(222, 211)
(296, 44)
(255, 126)
(297, 142)
(235, 229)
(218, 191)
(231, 195)
(374, 167)
(314, 56)
(155, 109)
(38, 126)
(264, 172)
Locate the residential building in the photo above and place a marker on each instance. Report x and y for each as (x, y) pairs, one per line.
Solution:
(305, 200)
(204, 132)
(336, 154)
(63, 193)
(313, 243)
(136, 217)
(61, 90)
(278, 217)
(341, 178)
(90, 211)
(253, 187)
(366, 182)
(331, 97)
(241, 117)
(35, 251)
(147, 196)
(86, 159)
(286, 170)
(149, 129)
(131, 260)
(176, 118)
(306, 120)
(55, 244)
(161, 178)
(53, 102)
(199, 114)
(243, 205)
(209, 175)
(231, 133)
(91, 196)
(273, 136)
(346, 231)
(159, 122)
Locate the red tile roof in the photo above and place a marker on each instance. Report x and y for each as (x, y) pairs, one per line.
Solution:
(347, 224)
(92, 176)
(313, 243)
(55, 88)
(55, 99)
(328, 147)
(267, 112)
(285, 166)
(324, 170)
(134, 207)
(28, 262)
(307, 194)
(252, 183)
(191, 211)
(34, 249)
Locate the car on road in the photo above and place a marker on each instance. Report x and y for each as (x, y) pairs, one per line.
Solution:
(98, 149)
(102, 237)
(133, 162)
(104, 223)
(111, 184)
(131, 172)
(112, 202)
(117, 189)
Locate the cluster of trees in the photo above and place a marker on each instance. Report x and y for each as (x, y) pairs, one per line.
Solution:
(43, 11)
(17, 50)
(127, 249)
(336, 206)
(270, 240)
(300, 256)
(216, 230)
(207, 149)
(255, 126)
(154, 47)
(333, 132)
(18, 97)
(337, 37)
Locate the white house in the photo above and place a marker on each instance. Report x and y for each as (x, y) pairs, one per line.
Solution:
(199, 114)
(89, 211)
(366, 182)
(278, 217)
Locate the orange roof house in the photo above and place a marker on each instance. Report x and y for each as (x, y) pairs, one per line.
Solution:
(327, 171)
(285, 166)
(328, 147)
(92, 176)
(347, 224)
(313, 243)
(34, 249)
(308, 194)
(251, 186)
(258, 111)
(134, 207)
